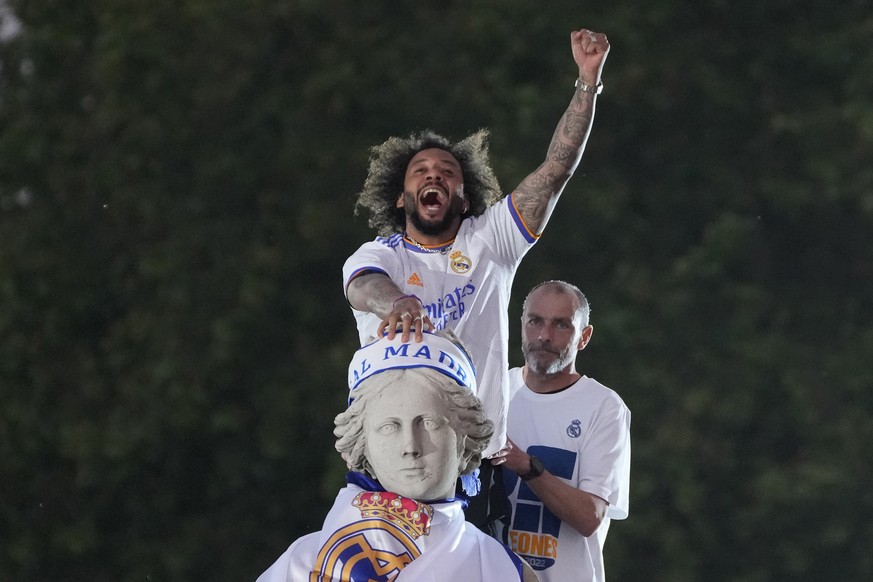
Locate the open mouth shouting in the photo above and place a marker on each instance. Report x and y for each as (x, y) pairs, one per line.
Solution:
(432, 198)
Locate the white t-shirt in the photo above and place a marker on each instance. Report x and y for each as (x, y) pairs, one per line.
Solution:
(465, 289)
(582, 436)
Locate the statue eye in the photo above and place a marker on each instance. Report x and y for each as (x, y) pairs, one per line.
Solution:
(433, 423)
(387, 428)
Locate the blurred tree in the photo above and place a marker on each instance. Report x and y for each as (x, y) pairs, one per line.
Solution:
(727, 243)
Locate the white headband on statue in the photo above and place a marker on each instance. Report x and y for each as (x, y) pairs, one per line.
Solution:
(433, 351)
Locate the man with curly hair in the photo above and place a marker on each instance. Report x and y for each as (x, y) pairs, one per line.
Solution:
(450, 243)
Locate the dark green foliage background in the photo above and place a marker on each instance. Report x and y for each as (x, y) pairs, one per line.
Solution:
(176, 191)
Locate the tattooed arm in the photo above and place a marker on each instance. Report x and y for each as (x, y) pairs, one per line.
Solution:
(536, 196)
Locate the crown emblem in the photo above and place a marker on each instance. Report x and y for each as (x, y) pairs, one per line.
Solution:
(409, 515)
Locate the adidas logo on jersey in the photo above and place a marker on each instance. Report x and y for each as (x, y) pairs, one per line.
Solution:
(414, 280)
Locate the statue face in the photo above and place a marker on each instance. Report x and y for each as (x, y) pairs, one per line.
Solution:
(411, 444)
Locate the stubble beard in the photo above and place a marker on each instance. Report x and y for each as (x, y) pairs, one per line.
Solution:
(564, 358)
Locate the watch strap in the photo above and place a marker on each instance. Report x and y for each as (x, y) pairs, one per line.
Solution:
(536, 469)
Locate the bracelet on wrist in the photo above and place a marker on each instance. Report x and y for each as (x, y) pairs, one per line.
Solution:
(586, 88)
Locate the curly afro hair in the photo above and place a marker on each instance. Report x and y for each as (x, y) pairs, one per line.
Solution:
(388, 162)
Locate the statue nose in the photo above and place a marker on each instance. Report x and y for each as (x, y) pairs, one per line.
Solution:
(411, 442)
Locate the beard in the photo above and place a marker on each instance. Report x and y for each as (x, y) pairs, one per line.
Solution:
(432, 227)
(563, 359)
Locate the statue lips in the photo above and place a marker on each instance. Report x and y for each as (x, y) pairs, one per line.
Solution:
(412, 475)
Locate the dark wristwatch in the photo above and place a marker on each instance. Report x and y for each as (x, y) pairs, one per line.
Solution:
(536, 469)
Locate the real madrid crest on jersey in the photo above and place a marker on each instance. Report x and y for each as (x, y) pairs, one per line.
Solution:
(377, 546)
(460, 263)
(574, 429)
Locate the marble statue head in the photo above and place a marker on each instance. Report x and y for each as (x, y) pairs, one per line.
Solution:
(414, 422)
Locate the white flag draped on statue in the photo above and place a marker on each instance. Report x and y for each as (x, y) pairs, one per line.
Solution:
(372, 535)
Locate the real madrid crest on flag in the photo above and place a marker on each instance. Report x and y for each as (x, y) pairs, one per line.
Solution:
(377, 544)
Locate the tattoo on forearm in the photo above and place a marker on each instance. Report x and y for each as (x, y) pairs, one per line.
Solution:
(373, 292)
(575, 126)
(561, 152)
(536, 192)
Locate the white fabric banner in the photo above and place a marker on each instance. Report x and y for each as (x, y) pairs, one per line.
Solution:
(375, 536)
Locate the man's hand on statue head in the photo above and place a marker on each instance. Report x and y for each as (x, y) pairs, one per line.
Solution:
(407, 315)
